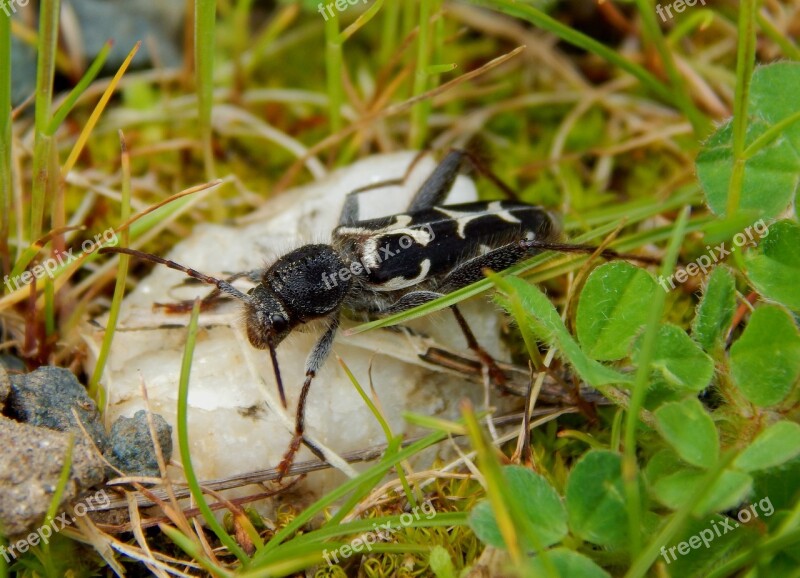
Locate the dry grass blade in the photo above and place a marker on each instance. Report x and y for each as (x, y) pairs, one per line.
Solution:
(392, 110)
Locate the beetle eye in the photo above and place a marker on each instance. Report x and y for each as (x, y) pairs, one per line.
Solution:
(279, 322)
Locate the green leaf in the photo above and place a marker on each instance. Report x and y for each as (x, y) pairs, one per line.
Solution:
(678, 361)
(776, 445)
(541, 505)
(688, 428)
(441, 563)
(676, 489)
(546, 324)
(772, 174)
(773, 96)
(596, 499)
(567, 563)
(612, 307)
(765, 360)
(774, 267)
(661, 464)
(715, 312)
(483, 523)
(770, 178)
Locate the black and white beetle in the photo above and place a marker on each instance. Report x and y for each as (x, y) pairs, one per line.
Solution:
(384, 266)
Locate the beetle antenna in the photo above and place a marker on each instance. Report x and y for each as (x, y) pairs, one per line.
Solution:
(223, 286)
(577, 248)
(273, 355)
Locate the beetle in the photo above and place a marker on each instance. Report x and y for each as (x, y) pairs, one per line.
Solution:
(384, 266)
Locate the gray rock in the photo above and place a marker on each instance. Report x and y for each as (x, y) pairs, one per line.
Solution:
(23, 70)
(47, 396)
(126, 22)
(93, 22)
(12, 363)
(30, 467)
(132, 447)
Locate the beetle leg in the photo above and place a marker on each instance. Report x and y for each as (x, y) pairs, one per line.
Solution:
(434, 190)
(496, 374)
(436, 187)
(316, 358)
(415, 298)
(349, 216)
(497, 260)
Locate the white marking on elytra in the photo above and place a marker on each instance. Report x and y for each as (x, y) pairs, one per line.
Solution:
(352, 232)
(371, 256)
(463, 218)
(371, 259)
(401, 227)
(402, 282)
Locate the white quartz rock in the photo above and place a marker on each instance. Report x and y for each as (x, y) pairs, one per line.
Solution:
(236, 422)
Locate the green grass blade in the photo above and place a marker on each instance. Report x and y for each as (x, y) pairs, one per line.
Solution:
(52, 508)
(333, 71)
(390, 27)
(183, 443)
(789, 48)
(361, 21)
(700, 18)
(745, 62)
(445, 519)
(43, 147)
(645, 559)
(205, 20)
(193, 550)
(538, 18)
(91, 73)
(421, 110)
(5, 148)
(639, 391)
(376, 471)
(122, 274)
(392, 440)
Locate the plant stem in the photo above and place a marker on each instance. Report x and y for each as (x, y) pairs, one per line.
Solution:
(745, 61)
(43, 179)
(5, 144)
(391, 17)
(122, 272)
(333, 69)
(629, 465)
(205, 19)
(421, 110)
